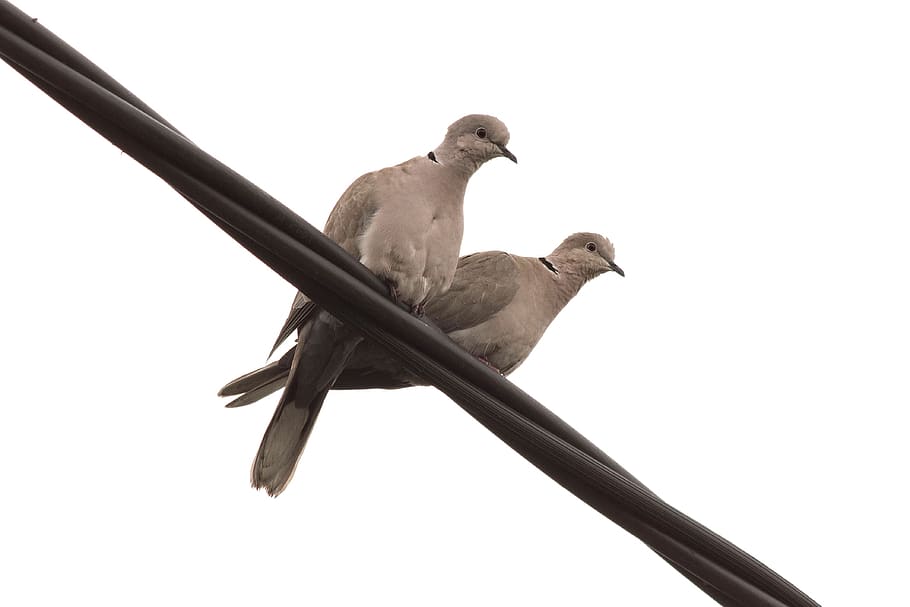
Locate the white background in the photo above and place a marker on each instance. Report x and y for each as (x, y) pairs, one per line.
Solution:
(750, 162)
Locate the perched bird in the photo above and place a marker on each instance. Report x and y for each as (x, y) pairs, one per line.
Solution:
(405, 224)
(497, 309)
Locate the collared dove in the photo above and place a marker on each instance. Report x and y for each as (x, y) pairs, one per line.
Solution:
(405, 224)
(497, 309)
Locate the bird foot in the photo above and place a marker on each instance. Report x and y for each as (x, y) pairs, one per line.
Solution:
(489, 364)
(416, 309)
(393, 290)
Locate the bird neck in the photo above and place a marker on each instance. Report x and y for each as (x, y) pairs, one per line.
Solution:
(455, 158)
(565, 276)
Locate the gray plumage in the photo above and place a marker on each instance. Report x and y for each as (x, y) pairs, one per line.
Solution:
(405, 224)
(498, 308)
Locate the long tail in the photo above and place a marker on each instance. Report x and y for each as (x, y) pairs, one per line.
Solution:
(325, 345)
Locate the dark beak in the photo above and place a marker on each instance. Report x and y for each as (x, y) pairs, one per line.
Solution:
(507, 153)
(615, 268)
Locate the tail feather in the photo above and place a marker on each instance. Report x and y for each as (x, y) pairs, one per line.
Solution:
(324, 348)
(300, 312)
(259, 392)
(283, 443)
(255, 379)
(365, 379)
(369, 367)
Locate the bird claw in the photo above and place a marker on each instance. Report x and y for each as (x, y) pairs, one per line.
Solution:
(393, 290)
(489, 364)
(416, 309)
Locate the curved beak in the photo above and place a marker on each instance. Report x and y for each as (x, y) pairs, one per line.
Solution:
(507, 153)
(615, 268)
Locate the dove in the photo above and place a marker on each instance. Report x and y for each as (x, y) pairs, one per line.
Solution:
(498, 308)
(405, 224)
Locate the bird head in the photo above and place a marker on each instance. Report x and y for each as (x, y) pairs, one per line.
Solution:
(588, 254)
(474, 139)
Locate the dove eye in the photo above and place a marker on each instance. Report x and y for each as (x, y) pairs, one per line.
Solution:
(481, 132)
(591, 247)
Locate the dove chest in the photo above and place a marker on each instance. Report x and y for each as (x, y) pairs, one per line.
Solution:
(414, 238)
